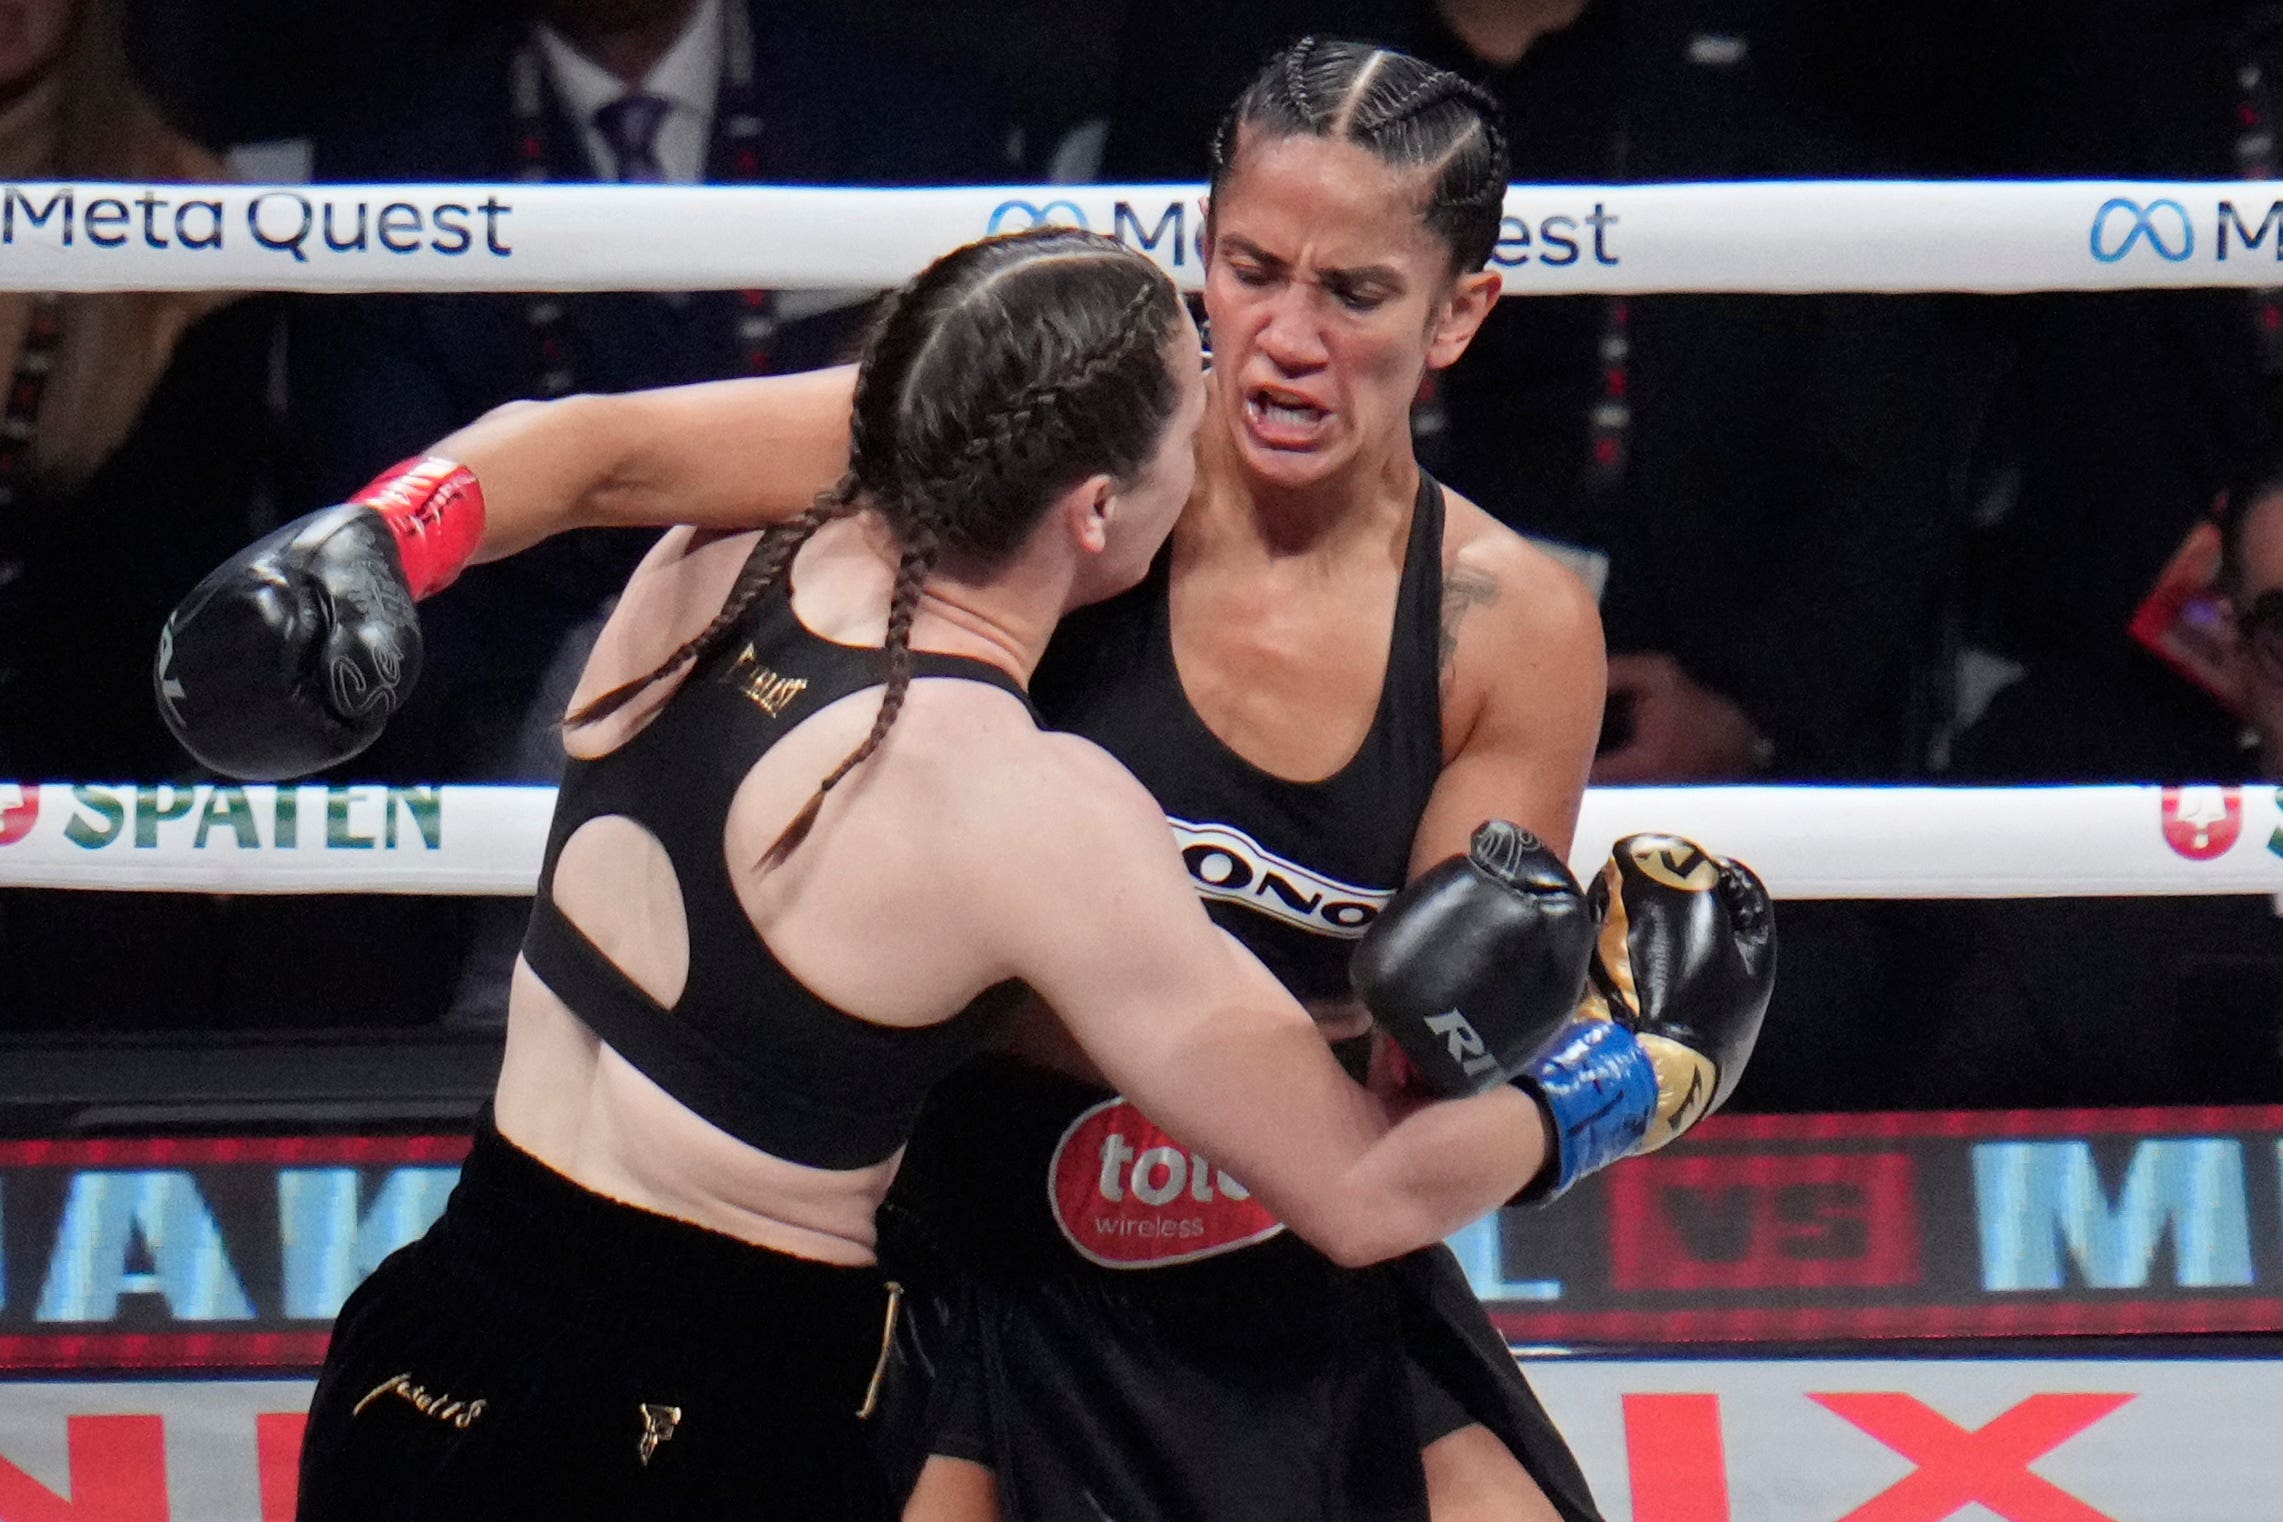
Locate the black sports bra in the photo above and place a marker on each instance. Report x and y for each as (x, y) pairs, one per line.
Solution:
(746, 1046)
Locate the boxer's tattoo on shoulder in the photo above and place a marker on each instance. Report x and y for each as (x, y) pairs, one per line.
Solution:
(1464, 589)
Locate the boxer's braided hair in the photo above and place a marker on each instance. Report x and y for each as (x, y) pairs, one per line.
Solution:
(1006, 372)
(1406, 113)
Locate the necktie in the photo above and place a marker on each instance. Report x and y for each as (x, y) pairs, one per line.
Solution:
(630, 125)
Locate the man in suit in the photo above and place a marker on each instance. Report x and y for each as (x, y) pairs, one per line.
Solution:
(655, 91)
(635, 91)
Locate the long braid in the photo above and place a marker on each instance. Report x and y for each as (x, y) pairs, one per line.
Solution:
(922, 548)
(959, 451)
(771, 553)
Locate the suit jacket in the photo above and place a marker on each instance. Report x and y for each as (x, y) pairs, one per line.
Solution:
(373, 379)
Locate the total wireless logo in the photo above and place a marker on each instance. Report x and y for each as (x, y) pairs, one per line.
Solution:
(1126, 1195)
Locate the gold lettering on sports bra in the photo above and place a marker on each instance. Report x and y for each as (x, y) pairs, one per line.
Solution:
(444, 1408)
(770, 692)
(658, 1424)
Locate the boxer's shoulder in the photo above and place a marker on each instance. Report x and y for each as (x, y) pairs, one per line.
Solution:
(1479, 547)
(992, 772)
(1504, 598)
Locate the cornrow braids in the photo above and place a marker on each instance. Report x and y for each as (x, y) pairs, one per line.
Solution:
(1356, 94)
(1404, 112)
(1428, 91)
(1296, 77)
(1488, 118)
(764, 564)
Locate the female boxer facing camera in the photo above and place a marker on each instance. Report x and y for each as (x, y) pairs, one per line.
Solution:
(653, 1292)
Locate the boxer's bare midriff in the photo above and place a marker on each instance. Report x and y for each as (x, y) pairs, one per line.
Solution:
(585, 1112)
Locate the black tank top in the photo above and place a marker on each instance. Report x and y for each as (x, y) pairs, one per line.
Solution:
(747, 1046)
(1294, 870)
(1015, 1168)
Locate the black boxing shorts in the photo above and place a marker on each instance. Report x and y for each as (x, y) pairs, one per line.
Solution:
(1113, 1325)
(546, 1352)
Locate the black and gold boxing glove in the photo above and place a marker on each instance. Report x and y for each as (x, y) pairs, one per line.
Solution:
(1686, 959)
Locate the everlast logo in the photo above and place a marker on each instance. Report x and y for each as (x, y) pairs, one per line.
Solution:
(770, 692)
(1229, 865)
(1126, 1195)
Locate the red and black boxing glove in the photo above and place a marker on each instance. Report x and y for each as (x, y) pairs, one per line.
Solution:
(290, 657)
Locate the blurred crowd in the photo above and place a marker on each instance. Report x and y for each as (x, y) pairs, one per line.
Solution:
(1836, 538)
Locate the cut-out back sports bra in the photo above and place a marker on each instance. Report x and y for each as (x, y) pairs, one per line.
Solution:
(747, 1046)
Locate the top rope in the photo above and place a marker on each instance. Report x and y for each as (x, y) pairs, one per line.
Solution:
(1789, 236)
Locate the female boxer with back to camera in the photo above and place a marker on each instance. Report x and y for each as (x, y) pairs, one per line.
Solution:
(1337, 668)
(653, 1292)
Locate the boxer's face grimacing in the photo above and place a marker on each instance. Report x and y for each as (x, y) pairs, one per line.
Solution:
(1329, 298)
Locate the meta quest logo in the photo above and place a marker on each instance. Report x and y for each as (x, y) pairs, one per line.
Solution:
(1556, 236)
(2167, 230)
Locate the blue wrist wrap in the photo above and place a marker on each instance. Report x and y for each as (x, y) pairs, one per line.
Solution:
(1600, 1088)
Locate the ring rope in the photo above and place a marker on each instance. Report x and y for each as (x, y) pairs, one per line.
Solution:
(1789, 236)
(1806, 842)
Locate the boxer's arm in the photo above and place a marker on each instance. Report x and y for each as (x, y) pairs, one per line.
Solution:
(1524, 676)
(721, 454)
(1096, 913)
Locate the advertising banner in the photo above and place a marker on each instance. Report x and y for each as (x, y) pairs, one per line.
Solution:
(1805, 842)
(1786, 236)
(234, 1253)
(1917, 1440)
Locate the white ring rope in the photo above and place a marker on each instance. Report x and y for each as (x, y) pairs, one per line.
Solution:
(1773, 237)
(1807, 842)
(1797, 236)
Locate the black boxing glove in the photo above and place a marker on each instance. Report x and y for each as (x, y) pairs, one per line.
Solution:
(1687, 960)
(1679, 985)
(1473, 967)
(291, 656)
